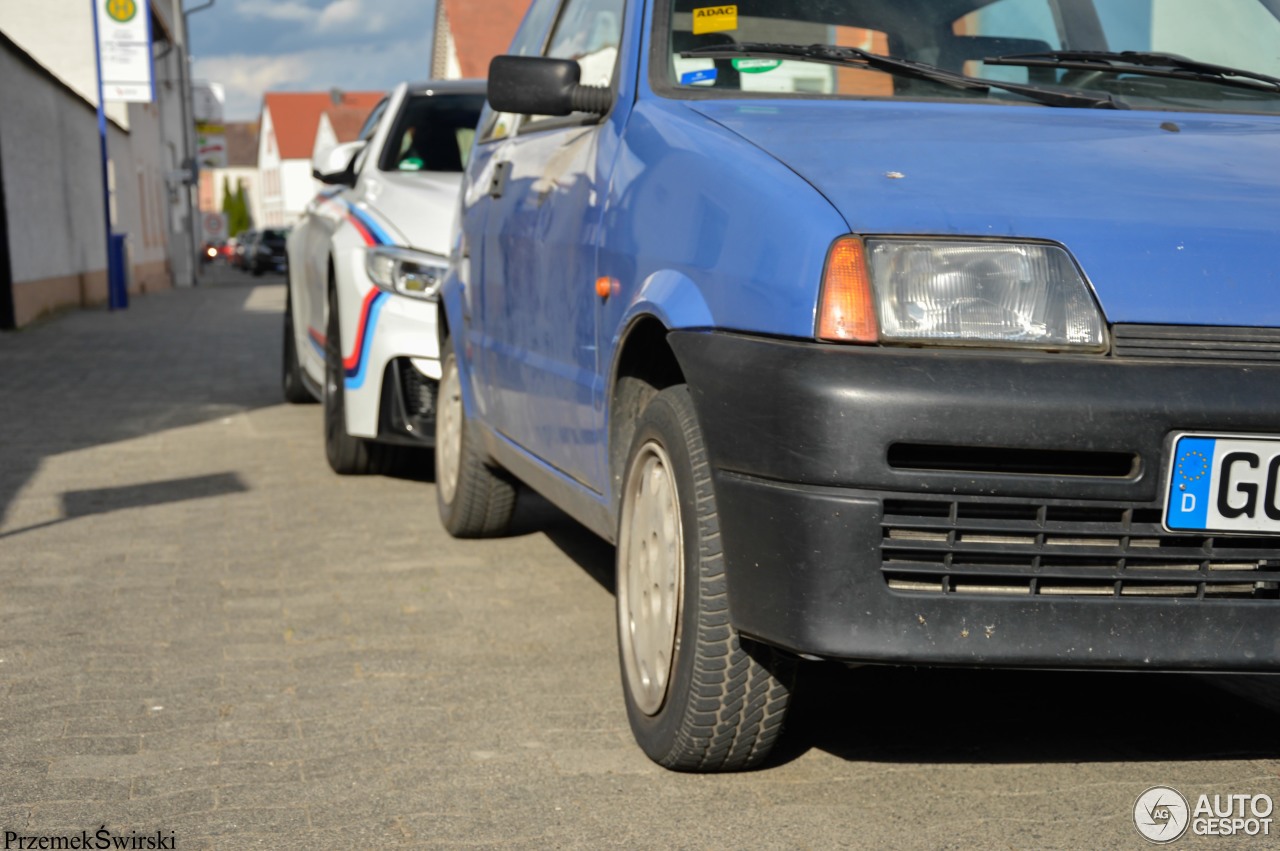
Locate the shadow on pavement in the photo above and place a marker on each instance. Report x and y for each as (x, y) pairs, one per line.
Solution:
(534, 514)
(84, 503)
(173, 359)
(910, 715)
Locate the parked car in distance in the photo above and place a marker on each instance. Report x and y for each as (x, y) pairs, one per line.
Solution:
(240, 259)
(366, 264)
(267, 251)
(880, 331)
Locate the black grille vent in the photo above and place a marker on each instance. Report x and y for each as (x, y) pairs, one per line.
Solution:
(419, 393)
(955, 547)
(1189, 342)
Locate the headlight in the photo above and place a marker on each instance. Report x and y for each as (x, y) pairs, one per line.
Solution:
(404, 271)
(970, 292)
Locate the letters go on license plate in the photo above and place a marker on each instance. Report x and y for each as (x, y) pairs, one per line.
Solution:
(1224, 483)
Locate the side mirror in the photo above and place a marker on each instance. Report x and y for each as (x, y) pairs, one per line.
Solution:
(337, 165)
(536, 85)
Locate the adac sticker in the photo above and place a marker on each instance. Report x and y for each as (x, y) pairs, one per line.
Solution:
(715, 19)
(701, 76)
(756, 66)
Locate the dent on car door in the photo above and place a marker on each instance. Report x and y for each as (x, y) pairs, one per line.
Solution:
(541, 238)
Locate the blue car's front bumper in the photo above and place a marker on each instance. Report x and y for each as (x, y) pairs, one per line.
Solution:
(988, 508)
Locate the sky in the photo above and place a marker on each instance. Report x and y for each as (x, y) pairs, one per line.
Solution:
(253, 46)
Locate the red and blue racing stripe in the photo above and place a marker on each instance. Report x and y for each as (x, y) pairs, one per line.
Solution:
(354, 364)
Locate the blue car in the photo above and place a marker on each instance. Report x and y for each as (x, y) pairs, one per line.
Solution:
(938, 332)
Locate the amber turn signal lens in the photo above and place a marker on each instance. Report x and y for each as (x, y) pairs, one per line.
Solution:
(846, 311)
(605, 287)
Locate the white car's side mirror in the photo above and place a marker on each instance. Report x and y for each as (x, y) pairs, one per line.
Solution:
(335, 165)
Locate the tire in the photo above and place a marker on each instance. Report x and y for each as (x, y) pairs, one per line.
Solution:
(475, 500)
(699, 697)
(295, 389)
(347, 455)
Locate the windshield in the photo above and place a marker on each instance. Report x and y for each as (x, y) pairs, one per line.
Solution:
(958, 35)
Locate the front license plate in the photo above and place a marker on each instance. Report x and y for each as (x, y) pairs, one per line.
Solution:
(1224, 484)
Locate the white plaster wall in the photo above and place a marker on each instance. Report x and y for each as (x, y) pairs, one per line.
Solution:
(59, 35)
(326, 138)
(269, 174)
(52, 175)
(299, 188)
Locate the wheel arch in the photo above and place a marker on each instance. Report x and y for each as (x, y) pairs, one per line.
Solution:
(644, 365)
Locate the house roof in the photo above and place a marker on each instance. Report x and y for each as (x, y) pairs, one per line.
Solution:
(242, 143)
(346, 122)
(482, 31)
(296, 117)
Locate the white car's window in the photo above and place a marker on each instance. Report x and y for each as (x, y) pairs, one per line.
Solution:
(432, 133)
(371, 123)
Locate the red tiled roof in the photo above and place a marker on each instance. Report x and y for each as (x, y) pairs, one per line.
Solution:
(347, 121)
(482, 30)
(296, 117)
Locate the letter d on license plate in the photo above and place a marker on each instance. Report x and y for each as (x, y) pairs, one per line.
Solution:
(1224, 484)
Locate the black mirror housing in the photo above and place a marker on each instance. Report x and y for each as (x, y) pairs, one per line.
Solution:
(537, 85)
(337, 178)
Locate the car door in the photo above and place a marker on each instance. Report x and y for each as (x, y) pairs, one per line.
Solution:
(537, 275)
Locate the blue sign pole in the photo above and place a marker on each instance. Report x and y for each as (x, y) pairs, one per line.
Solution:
(117, 291)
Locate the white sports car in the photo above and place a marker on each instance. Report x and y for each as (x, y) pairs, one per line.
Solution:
(365, 264)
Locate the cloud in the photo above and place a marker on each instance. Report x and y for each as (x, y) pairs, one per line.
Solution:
(245, 78)
(309, 45)
(343, 14)
(288, 10)
(375, 66)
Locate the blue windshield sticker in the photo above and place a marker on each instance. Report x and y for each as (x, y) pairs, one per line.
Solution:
(703, 76)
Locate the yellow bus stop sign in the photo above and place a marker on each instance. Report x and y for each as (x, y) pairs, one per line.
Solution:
(122, 10)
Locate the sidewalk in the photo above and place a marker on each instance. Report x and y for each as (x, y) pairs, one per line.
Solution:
(204, 631)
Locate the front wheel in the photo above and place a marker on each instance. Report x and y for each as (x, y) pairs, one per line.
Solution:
(347, 455)
(699, 697)
(295, 389)
(474, 500)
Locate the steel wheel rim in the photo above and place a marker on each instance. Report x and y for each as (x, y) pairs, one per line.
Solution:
(449, 432)
(650, 577)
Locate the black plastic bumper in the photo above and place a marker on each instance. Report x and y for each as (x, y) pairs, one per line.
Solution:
(886, 505)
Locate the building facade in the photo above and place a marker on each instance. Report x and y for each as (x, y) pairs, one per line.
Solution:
(54, 219)
(469, 34)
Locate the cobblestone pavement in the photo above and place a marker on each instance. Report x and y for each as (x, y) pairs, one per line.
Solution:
(205, 633)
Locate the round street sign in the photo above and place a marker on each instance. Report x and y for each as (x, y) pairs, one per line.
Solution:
(214, 226)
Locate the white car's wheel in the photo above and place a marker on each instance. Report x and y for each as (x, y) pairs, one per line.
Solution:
(295, 389)
(347, 455)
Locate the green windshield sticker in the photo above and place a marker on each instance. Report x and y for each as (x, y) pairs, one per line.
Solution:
(756, 66)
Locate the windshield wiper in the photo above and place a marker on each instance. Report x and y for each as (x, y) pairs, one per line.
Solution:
(1138, 62)
(832, 54)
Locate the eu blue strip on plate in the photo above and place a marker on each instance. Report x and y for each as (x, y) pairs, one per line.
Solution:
(1189, 487)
